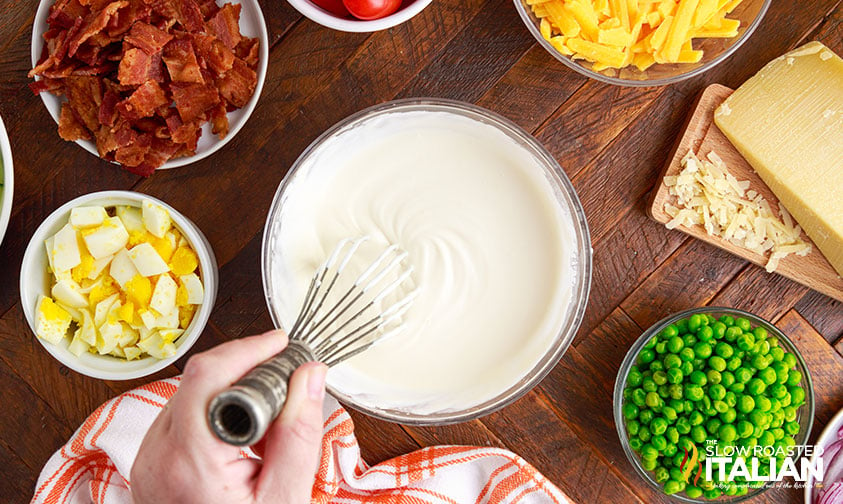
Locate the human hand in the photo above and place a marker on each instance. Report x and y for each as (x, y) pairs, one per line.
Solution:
(181, 460)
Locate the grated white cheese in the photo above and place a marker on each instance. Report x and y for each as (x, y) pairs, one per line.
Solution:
(708, 195)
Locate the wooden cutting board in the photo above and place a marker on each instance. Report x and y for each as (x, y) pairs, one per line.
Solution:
(703, 136)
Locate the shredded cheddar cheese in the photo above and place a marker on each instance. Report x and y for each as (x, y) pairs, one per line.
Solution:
(708, 195)
(619, 33)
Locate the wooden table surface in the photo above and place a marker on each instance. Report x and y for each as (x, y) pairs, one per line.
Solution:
(611, 141)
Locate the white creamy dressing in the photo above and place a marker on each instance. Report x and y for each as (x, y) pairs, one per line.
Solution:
(493, 254)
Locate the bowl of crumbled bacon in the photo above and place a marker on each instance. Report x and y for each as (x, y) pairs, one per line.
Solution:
(149, 84)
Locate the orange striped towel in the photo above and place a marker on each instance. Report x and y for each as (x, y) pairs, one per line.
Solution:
(94, 465)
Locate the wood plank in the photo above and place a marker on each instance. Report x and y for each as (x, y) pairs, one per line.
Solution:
(19, 478)
(470, 433)
(690, 277)
(823, 313)
(756, 291)
(812, 270)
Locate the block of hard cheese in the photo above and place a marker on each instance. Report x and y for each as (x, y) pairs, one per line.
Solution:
(787, 121)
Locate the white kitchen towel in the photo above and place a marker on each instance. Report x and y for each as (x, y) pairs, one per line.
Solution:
(94, 465)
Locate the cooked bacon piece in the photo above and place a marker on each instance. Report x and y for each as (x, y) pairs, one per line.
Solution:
(59, 72)
(133, 153)
(134, 68)
(189, 15)
(108, 108)
(143, 102)
(180, 132)
(216, 56)
(147, 37)
(55, 48)
(70, 127)
(225, 25)
(84, 94)
(94, 23)
(181, 62)
(219, 120)
(209, 8)
(193, 100)
(65, 13)
(247, 50)
(55, 86)
(238, 84)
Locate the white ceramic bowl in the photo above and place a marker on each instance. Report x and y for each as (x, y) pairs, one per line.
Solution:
(8, 178)
(252, 24)
(828, 436)
(35, 281)
(349, 24)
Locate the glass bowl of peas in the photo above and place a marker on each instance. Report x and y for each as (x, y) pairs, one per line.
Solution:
(712, 382)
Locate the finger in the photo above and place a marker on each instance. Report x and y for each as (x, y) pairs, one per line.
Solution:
(208, 373)
(293, 441)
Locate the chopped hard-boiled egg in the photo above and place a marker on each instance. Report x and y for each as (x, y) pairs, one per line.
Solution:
(86, 217)
(106, 239)
(156, 219)
(124, 283)
(147, 260)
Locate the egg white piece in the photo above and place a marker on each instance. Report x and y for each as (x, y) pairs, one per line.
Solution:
(68, 292)
(78, 346)
(51, 326)
(122, 268)
(107, 239)
(131, 218)
(147, 260)
(87, 216)
(164, 295)
(65, 251)
(99, 266)
(103, 308)
(156, 219)
(194, 288)
(89, 330)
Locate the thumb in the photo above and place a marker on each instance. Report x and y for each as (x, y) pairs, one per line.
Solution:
(292, 443)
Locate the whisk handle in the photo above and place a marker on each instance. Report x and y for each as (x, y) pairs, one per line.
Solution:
(241, 414)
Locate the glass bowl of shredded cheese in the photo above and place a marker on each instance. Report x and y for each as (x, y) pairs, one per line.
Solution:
(641, 42)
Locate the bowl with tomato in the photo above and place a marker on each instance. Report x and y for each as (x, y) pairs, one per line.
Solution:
(359, 15)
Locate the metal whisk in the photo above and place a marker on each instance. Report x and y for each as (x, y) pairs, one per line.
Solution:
(325, 330)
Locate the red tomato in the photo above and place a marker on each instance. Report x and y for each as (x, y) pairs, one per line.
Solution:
(371, 9)
(335, 7)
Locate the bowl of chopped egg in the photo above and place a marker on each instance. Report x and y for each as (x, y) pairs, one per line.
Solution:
(117, 285)
(641, 43)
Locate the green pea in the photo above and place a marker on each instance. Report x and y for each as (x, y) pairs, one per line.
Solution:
(729, 415)
(746, 404)
(651, 343)
(658, 426)
(766, 439)
(721, 406)
(797, 395)
(674, 376)
(778, 433)
(727, 320)
(648, 451)
(632, 427)
(745, 341)
(675, 344)
(652, 399)
(675, 391)
(778, 391)
(775, 404)
(630, 411)
(734, 363)
(712, 494)
(702, 350)
(699, 434)
(717, 362)
(791, 428)
(732, 334)
(693, 392)
(789, 359)
(760, 362)
(768, 376)
(662, 391)
(670, 450)
(745, 429)
(717, 392)
(646, 356)
(694, 322)
(794, 378)
(672, 434)
(656, 365)
(687, 354)
(649, 385)
(777, 353)
(759, 418)
(683, 426)
(646, 416)
(638, 397)
(727, 433)
(695, 418)
(648, 464)
(661, 347)
(743, 324)
(685, 443)
(727, 378)
(737, 388)
(660, 377)
(698, 377)
(724, 350)
(760, 333)
(762, 403)
(743, 375)
(669, 414)
(636, 444)
(676, 474)
(661, 475)
(713, 425)
(671, 487)
(669, 332)
(705, 333)
(672, 361)
(693, 492)
(756, 386)
(719, 329)
(713, 376)
(659, 442)
(686, 368)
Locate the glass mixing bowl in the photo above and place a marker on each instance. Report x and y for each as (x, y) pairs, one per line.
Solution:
(716, 50)
(566, 198)
(805, 416)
